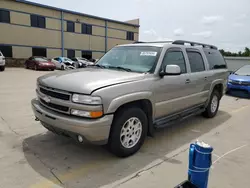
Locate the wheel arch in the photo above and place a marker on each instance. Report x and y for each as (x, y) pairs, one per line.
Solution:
(141, 100)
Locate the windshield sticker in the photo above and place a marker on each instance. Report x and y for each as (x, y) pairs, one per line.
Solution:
(148, 53)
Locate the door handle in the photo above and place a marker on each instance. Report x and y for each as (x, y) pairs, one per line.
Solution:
(205, 78)
(188, 81)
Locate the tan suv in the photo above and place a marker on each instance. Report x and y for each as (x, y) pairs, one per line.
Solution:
(131, 91)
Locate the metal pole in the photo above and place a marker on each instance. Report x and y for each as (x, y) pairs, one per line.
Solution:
(62, 33)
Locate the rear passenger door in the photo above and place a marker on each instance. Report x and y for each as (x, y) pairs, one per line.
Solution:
(198, 76)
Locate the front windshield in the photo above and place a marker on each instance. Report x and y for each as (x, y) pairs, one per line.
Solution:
(243, 71)
(41, 59)
(67, 59)
(134, 58)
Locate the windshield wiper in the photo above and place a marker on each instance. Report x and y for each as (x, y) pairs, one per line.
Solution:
(121, 68)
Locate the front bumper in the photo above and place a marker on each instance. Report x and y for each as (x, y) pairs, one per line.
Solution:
(238, 87)
(95, 131)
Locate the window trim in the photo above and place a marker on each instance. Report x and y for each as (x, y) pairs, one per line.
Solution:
(195, 51)
(39, 55)
(88, 26)
(11, 51)
(87, 52)
(67, 22)
(38, 19)
(130, 36)
(174, 49)
(8, 12)
(71, 51)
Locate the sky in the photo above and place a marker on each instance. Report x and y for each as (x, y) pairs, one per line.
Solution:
(224, 23)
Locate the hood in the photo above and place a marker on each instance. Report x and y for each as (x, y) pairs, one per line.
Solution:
(87, 80)
(239, 77)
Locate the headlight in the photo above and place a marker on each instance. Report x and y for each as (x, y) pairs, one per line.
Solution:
(229, 81)
(88, 114)
(85, 99)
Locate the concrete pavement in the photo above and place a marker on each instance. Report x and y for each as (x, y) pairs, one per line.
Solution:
(231, 157)
(32, 157)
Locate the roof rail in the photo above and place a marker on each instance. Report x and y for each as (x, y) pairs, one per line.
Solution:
(153, 42)
(183, 42)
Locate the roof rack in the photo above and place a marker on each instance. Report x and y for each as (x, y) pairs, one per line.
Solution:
(183, 42)
(136, 42)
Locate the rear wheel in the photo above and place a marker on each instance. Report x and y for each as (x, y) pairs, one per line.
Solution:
(213, 105)
(128, 131)
(62, 67)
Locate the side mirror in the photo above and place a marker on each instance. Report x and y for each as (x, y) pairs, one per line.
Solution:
(171, 70)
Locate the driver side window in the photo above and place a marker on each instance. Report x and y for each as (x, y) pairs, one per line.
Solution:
(175, 58)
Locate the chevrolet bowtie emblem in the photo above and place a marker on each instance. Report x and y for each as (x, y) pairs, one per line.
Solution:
(46, 99)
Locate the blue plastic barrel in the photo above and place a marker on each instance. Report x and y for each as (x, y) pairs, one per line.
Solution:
(200, 160)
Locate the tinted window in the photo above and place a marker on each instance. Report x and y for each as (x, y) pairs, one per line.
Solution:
(215, 59)
(87, 54)
(39, 52)
(71, 53)
(70, 26)
(4, 16)
(87, 29)
(175, 58)
(6, 51)
(130, 35)
(37, 21)
(196, 62)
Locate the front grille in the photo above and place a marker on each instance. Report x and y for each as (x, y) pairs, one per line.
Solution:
(241, 83)
(55, 106)
(55, 94)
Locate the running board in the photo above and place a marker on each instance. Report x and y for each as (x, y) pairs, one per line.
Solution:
(172, 119)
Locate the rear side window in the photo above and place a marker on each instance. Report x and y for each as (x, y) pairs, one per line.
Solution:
(215, 59)
(175, 58)
(196, 61)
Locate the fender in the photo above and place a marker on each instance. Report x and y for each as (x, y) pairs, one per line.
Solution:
(214, 83)
(121, 100)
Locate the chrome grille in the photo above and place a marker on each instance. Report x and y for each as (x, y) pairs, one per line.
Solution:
(243, 83)
(55, 106)
(54, 93)
(54, 99)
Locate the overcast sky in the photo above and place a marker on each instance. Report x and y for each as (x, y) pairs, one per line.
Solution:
(225, 23)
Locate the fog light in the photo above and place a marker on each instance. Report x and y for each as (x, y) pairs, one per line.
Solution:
(80, 138)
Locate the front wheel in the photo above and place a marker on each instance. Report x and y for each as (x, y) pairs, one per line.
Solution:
(128, 131)
(2, 68)
(213, 105)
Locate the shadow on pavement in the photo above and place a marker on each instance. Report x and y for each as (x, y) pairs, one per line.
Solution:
(91, 166)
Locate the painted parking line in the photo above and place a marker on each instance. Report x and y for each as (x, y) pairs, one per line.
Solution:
(53, 182)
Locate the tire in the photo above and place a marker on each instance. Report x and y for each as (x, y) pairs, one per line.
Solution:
(117, 142)
(62, 67)
(211, 109)
(2, 68)
(36, 68)
(26, 66)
